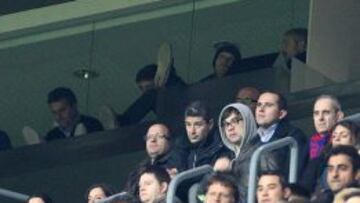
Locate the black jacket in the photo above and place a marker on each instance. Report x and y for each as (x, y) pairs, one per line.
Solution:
(91, 124)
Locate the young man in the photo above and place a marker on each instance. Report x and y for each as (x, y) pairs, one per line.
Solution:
(327, 111)
(343, 170)
(272, 188)
(153, 184)
(221, 188)
(204, 145)
(158, 143)
(69, 122)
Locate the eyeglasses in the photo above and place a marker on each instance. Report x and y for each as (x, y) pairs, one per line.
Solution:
(246, 100)
(156, 137)
(233, 121)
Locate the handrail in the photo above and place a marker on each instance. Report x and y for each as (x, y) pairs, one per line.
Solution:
(294, 148)
(13, 195)
(188, 174)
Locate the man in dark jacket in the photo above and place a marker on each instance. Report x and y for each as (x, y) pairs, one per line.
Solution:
(158, 144)
(69, 122)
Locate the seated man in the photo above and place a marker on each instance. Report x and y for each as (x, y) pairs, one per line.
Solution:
(69, 122)
(153, 184)
(158, 145)
(226, 61)
(204, 144)
(248, 96)
(221, 188)
(343, 170)
(272, 187)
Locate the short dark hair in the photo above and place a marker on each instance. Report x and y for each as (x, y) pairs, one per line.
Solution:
(227, 112)
(146, 73)
(354, 130)
(282, 102)
(226, 179)
(46, 198)
(348, 151)
(283, 182)
(198, 109)
(106, 188)
(62, 93)
(159, 172)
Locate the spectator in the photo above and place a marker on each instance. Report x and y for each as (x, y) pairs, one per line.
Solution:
(248, 96)
(221, 188)
(327, 111)
(5, 142)
(343, 168)
(204, 143)
(272, 188)
(348, 195)
(158, 144)
(344, 133)
(39, 198)
(68, 121)
(153, 185)
(98, 191)
(226, 61)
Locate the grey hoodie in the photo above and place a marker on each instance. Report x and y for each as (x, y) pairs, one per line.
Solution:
(249, 123)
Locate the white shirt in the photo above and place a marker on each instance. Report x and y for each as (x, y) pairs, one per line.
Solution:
(266, 134)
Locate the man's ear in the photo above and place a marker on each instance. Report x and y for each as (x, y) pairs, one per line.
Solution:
(287, 193)
(283, 114)
(340, 115)
(163, 187)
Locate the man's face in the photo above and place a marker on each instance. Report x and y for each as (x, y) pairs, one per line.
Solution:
(145, 85)
(290, 47)
(36, 200)
(234, 128)
(248, 97)
(218, 193)
(268, 111)
(197, 128)
(223, 63)
(96, 194)
(341, 136)
(324, 115)
(270, 190)
(157, 140)
(63, 112)
(339, 172)
(150, 188)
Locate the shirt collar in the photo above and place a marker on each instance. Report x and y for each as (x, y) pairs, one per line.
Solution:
(267, 133)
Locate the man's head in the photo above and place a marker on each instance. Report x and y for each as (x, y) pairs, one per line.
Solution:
(294, 42)
(270, 109)
(326, 112)
(198, 122)
(145, 77)
(232, 123)
(62, 103)
(39, 198)
(226, 59)
(248, 96)
(157, 140)
(272, 187)
(153, 184)
(221, 188)
(343, 167)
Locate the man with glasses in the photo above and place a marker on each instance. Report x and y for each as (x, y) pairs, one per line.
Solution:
(158, 143)
(248, 96)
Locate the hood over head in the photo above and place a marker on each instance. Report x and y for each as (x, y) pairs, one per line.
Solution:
(249, 124)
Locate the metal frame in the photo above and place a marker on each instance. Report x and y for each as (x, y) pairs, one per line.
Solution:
(294, 149)
(13, 195)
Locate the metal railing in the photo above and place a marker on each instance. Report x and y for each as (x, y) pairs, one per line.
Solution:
(13, 195)
(288, 141)
(189, 174)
